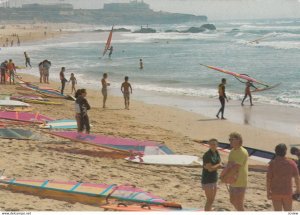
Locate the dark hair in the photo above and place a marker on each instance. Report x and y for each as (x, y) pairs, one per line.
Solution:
(63, 68)
(126, 78)
(83, 91)
(280, 150)
(223, 80)
(295, 151)
(78, 93)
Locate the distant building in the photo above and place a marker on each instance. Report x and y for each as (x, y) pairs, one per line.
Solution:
(133, 6)
(47, 6)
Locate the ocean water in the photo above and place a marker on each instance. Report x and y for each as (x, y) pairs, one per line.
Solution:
(172, 60)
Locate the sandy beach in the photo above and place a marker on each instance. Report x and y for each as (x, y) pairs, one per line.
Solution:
(54, 158)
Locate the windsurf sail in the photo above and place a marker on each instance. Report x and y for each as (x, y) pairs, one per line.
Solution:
(237, 75)
(86, 193)
(24, 116)
(116, 143)
(19, 134)
(255, 154)
(108, 42)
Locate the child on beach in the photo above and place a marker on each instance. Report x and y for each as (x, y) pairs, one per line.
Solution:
(248, 92)
(222, 97)
(126, 93)
(84, 106)
(11, 68)
(105, 84)
(73, 81)
(211, 164)
(27, 59)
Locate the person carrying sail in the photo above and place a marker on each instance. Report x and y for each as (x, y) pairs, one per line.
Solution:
(222, 97)
(248, 92)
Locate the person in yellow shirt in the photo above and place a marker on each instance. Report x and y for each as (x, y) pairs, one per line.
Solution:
(238, 156)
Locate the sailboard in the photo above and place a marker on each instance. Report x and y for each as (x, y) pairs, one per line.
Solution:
(18, 134)
(244, 77)
(117, 144)
(108, 42)
(60, 124)
(173, 160)
(24, 116)
(261, 38)
(81, 192)
(265, 88)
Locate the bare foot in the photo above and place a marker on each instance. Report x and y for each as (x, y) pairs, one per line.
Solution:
(217, 116)
(223, 118)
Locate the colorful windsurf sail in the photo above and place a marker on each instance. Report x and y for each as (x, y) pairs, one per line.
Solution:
(86, 193)
(19, 134)
(108, 42)
(24, 116)
(237, 75)
(116, 143)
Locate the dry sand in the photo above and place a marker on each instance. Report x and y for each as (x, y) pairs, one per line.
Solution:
(54, 158)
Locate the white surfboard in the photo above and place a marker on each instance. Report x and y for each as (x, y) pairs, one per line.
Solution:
(13, 103)
(176, 160)
(60, 124)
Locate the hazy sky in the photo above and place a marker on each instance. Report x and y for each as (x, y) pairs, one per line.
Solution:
(214, 9)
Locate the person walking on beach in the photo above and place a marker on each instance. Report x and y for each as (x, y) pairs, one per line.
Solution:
(238, 157)
(27, 60)
(211, 164)
(46, 68)
(280, 173)
(84, 106)
(141, 64)
(73, 81)
(248, 92)
(126, 93)
(62, 79)
(222, 97)
(110, 51)
(41, 70)
(105, 84)
(11, 68)
(3, 68)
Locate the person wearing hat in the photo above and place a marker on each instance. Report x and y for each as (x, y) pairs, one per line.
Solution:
(280, 173)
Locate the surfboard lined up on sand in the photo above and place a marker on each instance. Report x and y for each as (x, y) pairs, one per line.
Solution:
(60, 124)
(19, 134)
(24, 116)
(173, 160)
(86, 193)
(117, 144)
(13, 103)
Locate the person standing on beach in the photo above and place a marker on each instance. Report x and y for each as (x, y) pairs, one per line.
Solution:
(19, 43)
(73, 81)
(211, 164)
(238, 157)
(27, 60)
(110, 51)
(11, 68)
(248, 92)
(46, 68)
(280, 173)
(84, 106)
(105, 84)
(62, 79)
(3, 69)
(41, 70)
(141, 64)
(126, 93)
(77, 109)
(222, 97)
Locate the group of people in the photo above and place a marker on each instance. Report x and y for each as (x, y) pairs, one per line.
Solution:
(44, 68)
(126, 90)
(8, 71)
(11, 43)
(64, 81)
(223, 97)
(281, 172)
